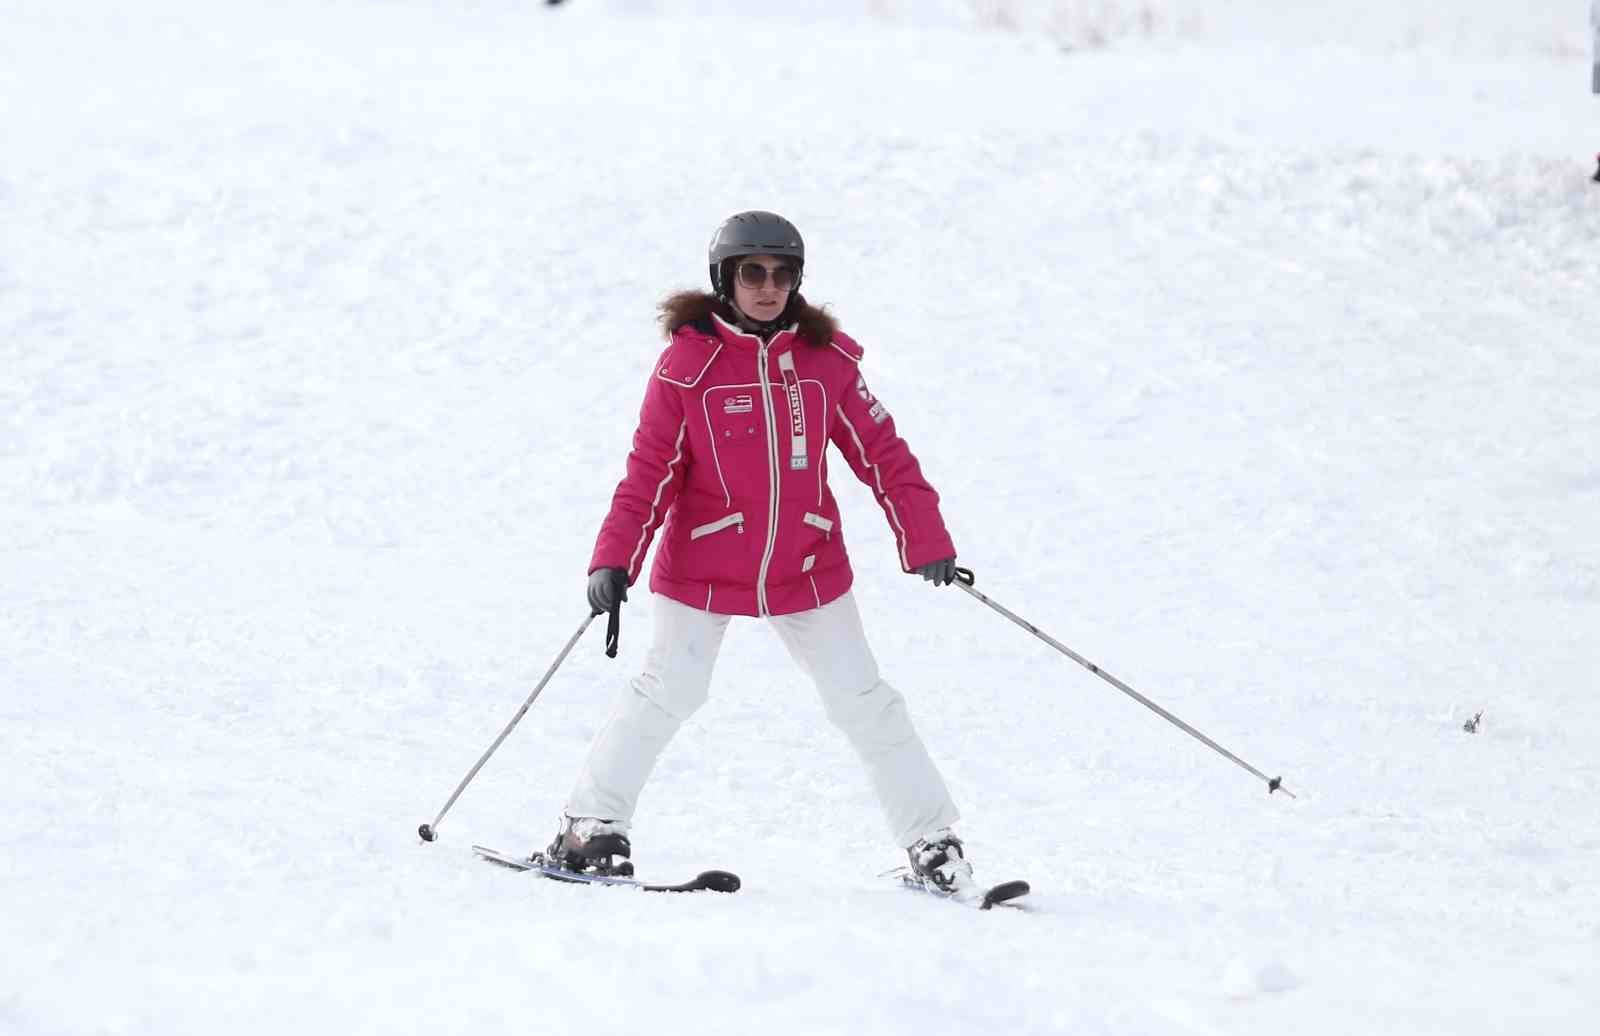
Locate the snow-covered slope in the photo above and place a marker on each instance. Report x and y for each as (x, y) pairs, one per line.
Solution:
(1254, 361)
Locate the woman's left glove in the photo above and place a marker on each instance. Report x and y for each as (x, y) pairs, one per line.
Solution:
(939, 573)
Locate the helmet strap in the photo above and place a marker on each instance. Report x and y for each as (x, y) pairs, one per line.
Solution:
(764, 329)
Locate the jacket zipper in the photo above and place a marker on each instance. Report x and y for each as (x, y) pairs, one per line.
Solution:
(773, 480)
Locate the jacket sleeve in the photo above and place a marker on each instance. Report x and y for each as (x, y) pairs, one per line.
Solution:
(865, 434)
(655, 474)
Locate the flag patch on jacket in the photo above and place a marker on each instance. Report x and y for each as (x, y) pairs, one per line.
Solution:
(738, 404)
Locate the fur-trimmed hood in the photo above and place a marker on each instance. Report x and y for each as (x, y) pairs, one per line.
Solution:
(816, 326)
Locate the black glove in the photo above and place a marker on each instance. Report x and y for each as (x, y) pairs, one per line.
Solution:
(607, 586)
(939, 573)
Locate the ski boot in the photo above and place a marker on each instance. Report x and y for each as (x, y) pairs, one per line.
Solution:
(587, 845)
(1597, 171)
(939, 862)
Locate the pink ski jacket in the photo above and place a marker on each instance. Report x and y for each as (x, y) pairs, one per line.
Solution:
(730, 456)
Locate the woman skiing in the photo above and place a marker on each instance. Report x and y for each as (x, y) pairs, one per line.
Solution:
(729, 460)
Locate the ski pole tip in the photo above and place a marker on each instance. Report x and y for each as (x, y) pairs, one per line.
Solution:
(427, 833)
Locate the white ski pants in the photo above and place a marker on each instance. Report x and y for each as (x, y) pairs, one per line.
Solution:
(831, 648)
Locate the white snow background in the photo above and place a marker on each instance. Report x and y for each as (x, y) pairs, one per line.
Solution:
(1251, 345)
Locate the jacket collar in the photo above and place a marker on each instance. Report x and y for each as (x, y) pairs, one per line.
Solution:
(739, 338)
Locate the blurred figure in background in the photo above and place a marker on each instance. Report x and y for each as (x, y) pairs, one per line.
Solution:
(1594, 23)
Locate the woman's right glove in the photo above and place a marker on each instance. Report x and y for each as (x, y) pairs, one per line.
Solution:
(939, 573)
(607, 587)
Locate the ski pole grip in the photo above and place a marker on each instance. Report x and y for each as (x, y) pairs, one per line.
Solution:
(964, 576)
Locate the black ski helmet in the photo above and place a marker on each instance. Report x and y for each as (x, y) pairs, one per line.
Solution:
(754, 233)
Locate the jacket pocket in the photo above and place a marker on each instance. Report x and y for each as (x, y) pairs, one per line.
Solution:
(816, 521)
(733, 416)
(736, 518)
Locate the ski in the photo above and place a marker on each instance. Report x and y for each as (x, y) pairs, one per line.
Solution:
(1007, 892)
(706, 881)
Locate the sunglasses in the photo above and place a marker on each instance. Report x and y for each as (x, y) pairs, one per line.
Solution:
(754, 275)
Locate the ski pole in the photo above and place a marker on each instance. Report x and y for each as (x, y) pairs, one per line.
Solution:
(965, 579)
(427, 830)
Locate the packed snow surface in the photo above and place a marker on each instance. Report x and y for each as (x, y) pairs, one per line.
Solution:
(1252, 348)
